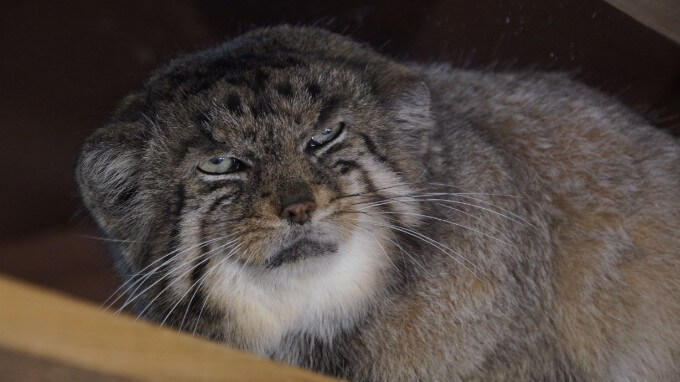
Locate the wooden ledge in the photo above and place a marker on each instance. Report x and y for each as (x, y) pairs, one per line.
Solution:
(43, 333)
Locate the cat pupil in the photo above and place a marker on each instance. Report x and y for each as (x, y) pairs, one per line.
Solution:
(217, 160)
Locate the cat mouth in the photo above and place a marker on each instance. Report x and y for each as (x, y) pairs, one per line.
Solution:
(299, 250)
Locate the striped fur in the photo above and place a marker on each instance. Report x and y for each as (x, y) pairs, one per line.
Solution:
(468, 226)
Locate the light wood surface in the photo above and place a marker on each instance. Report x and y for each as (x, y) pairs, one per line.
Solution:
(36, 325)
(661, 15)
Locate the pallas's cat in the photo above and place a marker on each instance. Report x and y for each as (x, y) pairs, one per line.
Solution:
(297, 195)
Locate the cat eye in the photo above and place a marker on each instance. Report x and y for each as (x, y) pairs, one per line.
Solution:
(219, 165)
(326, 135)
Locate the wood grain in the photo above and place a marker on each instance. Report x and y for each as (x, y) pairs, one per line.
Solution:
(22, 367)
(661, 15)
(65, 331)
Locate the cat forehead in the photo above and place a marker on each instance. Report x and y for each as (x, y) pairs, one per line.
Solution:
(259, 101)
(251, 91)
(291, 103)
(265, 64)
(255, 71)
(267, 78)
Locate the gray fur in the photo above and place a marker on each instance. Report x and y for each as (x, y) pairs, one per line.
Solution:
(470, 226)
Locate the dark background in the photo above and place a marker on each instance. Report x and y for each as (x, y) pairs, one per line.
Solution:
(64, 65)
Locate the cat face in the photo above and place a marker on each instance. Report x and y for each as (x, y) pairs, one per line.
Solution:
(280, 169)
(253, 187)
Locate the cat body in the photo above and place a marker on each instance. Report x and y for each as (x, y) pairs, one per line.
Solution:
(383, 221)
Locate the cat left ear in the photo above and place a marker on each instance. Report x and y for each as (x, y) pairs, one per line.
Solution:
(410, 113)
(403, 93)
(411, 106)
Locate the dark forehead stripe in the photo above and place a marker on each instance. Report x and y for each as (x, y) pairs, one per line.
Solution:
(227, 65)
(285, 89)
(260, 79)
(261, 107)
(314, 90)
(199, 74)
(233, 102)
(192, 75)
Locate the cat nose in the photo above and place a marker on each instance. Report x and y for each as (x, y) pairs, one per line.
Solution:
(298, 212)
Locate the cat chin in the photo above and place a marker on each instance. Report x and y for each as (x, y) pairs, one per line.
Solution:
(318, 295)
(300, 251)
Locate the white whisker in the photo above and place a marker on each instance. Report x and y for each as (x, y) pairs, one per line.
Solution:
(134, 297)
(179, 300)
(165, 259)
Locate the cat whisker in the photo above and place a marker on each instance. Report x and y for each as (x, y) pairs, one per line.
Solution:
(210, 254)
(518, 218)
(358, 226)
(127, 286)
(469, 215)
(447, 222)
(205, 257)
(384, 201)
(137, 295)
(433, 243)
(471, 192)
(427, 198)
(372, 192)
(194, 286)
(372, 237)
(395, 242)
(210, 291)
(100, 238)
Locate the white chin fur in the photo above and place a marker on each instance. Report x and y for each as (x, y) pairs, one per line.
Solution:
(315, 295)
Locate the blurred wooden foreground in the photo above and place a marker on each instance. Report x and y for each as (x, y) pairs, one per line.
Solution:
(49, 337)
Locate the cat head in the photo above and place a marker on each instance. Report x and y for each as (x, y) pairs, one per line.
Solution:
(276, 158)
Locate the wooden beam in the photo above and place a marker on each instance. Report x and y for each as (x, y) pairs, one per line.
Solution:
(36, 325)
(662, 16)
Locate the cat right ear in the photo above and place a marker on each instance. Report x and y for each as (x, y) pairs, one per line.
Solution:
(108, 173)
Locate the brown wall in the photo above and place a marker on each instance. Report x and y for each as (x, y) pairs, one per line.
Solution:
(63, 68)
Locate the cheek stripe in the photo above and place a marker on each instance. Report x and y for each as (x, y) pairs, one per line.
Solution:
(180, 195)
(335, 148)
(199, 265)
(373, 149)
(370, 187)
(176, 212)
(346, 165)
(218, 202)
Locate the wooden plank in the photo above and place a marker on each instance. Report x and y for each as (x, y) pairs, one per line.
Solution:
(22, 367)
(662, 16)
(44, 324)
